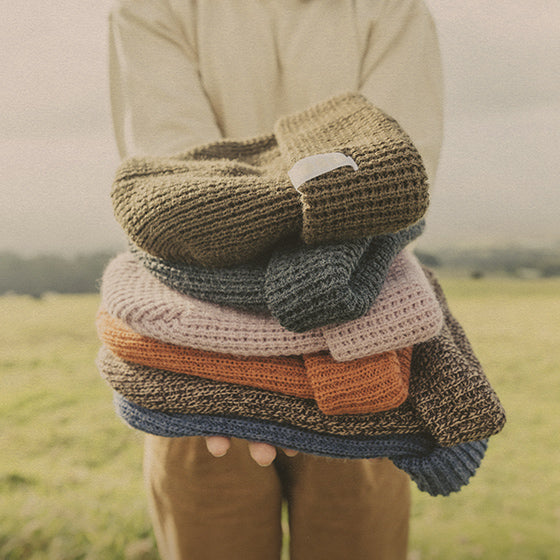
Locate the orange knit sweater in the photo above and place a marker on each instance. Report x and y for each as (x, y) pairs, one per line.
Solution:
(366, 385)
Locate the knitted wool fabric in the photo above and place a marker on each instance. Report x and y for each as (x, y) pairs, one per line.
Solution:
(303, 292)
(370, 384)
(435, 469)
(180, 393)
(231, 201)
(387, 193)
(405, 313)
(453, 394)
(445, 469)
(449, 395)
(243, 286)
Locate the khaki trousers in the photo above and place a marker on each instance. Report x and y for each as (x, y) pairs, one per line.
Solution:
(229, 508)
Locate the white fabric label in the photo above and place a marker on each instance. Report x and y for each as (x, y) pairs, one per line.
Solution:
(319, 164)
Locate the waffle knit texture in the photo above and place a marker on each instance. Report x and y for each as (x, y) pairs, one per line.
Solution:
(369, 384)
(449, 395)
(302, 287)
(435, 469)
(405, 313)
(231, 201)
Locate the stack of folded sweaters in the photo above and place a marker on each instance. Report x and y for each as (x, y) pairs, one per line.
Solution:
(268, 294)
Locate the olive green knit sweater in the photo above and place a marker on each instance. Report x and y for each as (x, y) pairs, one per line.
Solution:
(231, 201)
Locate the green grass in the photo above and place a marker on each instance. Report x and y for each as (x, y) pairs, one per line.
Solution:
(70, 474)
(511, 509)
(70, 471)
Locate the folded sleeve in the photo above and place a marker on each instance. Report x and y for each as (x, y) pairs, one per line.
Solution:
(158, 103)
(401, 71)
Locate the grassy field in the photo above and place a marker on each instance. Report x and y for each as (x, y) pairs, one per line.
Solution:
(70, 471)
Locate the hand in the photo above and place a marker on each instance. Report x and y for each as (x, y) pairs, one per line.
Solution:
(262, 453)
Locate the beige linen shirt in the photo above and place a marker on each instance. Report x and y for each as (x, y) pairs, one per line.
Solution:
(186, 72)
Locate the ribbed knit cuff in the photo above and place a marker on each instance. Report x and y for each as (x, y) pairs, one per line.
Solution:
(388, 191)
(445, 469)
(373, 384)
(331, 284)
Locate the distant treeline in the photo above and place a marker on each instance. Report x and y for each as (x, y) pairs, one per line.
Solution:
(38, 275)
(511, 261)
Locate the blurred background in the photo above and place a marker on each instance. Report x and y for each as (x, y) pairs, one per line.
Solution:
(499, 172)
(493, 218)
(498, 180)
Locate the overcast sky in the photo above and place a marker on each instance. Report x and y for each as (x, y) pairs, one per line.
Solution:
(498, 179)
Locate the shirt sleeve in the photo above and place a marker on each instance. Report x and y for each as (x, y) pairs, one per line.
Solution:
(401, 72)
(158, 103)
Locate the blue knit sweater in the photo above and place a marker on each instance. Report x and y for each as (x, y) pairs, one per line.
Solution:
(435, 469)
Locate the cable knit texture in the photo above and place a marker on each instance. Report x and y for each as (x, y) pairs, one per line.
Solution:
(405, 313)
(435, 469)
(370, 384)
(449, 395)
(231, 201)
(302, 287)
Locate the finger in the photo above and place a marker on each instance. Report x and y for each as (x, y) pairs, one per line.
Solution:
(290, 452)
(217, 445)
(262, 453)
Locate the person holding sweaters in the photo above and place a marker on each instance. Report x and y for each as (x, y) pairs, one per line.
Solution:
(185, 73)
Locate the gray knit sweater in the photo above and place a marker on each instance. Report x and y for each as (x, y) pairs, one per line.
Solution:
(303, 287)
